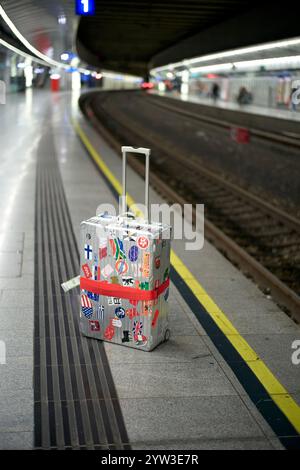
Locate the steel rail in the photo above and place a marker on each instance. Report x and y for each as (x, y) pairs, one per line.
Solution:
(281, 293)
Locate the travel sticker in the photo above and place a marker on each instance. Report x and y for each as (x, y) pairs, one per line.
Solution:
(146, 265)
(120, 312)
(142, 242)
(107, 270)
(117, 248)
(117, 323)
(94, 325)
(121, 266)
(102, 247)
(131, 313)
(88, 251)
(114, 280)
(100, 312)
(114, 301)
(155, 317)
(109, 331)
(93, 296)
(144, 285)
(86, 306)
(137, 331)
(86, 271)
(96, 272)
(133, 253)
(126, 336)
(128, 281)
(147, 308)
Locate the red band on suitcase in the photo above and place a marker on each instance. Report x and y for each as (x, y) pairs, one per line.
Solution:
(115, 290)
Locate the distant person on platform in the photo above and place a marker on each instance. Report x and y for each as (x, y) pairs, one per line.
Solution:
(215, 92)
(244, 96)
(293, 104)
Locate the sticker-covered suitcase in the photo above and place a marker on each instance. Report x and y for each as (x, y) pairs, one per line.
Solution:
(124, 279)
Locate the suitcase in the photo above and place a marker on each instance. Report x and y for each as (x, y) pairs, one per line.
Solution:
(124, 280)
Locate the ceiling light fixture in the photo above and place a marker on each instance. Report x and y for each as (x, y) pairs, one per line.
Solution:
(44, 58)
(231, 53)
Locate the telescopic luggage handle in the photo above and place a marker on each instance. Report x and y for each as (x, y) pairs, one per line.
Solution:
(143, 151)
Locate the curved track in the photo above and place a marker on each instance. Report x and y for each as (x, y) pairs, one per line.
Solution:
(258, 236)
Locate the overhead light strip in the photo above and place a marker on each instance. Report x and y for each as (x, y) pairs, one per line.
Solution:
(22, 53)
(46, 60)
(42, 58)
(231, 53)
(229, 66)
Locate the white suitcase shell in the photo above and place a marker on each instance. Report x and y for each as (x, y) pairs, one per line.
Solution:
(120, 252)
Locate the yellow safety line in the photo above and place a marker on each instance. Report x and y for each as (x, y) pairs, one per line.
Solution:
(277, 392)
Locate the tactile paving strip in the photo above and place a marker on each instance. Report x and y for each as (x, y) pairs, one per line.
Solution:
(75, 401)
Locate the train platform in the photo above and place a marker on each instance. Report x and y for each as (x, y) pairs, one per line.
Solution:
(224, 380)
(284, 114)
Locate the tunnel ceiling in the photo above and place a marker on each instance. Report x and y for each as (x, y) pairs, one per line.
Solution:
(133, 35)
(126, 34)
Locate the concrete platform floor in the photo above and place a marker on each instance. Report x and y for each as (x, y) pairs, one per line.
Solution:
(184, 394)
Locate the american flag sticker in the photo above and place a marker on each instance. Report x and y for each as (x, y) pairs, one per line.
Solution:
(93, 296)
(86, 306)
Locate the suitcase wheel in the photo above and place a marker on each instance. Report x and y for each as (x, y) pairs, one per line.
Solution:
(167, 335)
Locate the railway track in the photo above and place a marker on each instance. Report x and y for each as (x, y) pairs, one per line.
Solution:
(285, 138)
(261, 239)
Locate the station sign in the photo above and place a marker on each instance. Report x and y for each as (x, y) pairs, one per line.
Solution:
(85, 7)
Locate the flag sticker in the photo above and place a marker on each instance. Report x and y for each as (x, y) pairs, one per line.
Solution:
(94, 325)
(96, 272)
(117, 248)
(86, 306)
(88, 251)
(102, 248)
(100, 313)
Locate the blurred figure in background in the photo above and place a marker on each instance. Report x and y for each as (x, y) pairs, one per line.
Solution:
(244, 96)
(215, 92)
(293, 104)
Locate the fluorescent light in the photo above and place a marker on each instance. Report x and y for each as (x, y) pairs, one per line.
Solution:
(62, 19)
(36, 52)
(272, 62)
(24, 41)
(64, 56)
(19, 52)
(231, 53)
